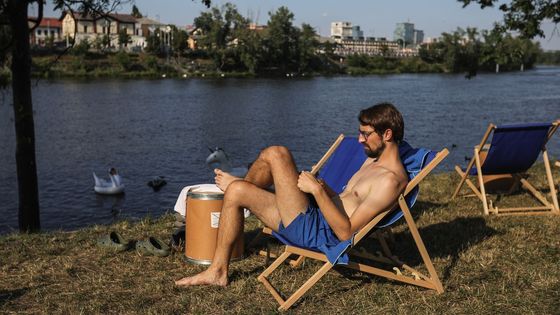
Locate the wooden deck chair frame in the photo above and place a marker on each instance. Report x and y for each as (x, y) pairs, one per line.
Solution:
(480, 191)
(430, 281)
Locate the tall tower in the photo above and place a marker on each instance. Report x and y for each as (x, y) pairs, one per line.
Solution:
(405, 33)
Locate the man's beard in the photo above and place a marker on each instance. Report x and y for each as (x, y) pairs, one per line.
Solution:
(375, 154)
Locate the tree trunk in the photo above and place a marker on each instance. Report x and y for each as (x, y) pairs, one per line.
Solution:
(28, 191)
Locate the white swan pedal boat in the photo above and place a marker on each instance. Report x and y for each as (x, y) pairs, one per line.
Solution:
(113, 186)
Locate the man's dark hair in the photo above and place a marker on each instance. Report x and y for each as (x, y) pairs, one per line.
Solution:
(381, 117)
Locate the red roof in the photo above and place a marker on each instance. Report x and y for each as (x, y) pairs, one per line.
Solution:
(124, 18)
(50, 22)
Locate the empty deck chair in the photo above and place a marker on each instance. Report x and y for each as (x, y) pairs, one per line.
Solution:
(418, 166)
(512, 151)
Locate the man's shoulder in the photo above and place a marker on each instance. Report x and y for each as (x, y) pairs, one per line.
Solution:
(389, 177)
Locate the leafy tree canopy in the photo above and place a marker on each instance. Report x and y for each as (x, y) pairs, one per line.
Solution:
(523, 16)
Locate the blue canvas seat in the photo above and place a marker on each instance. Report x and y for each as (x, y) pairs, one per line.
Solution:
(512, 151)
(340, 163)
(349, 157)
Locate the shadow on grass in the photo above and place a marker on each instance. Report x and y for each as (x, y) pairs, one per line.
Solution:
(450, 239)
(9, 295)
(422, 207)
(442, 240)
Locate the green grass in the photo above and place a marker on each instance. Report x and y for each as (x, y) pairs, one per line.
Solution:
(487, 265)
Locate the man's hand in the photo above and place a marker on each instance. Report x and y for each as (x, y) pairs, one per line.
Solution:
(308, 183)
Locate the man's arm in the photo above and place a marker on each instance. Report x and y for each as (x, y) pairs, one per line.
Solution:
(327, 188)
(380, 199)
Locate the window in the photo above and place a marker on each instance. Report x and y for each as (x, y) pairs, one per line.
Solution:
(39, 32)
(85, 28)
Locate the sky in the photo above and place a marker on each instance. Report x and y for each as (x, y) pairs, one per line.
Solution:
(376, 18)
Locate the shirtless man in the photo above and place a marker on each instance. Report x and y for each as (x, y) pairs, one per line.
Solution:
(288, 211)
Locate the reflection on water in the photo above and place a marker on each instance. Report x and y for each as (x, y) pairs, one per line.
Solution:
(149, 128)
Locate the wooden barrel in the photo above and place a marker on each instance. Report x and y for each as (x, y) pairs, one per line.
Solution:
(202, 221)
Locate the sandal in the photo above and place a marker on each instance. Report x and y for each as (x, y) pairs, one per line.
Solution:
(153, 247)
(114, 241)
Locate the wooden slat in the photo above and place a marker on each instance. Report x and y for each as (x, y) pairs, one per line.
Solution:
(305, 287)
(489, 130)
(550, 180)
(523, 213)
(523, 209)
(535, 192)
(481, 181)
(327, 155)
(389, 275)
(272, 290)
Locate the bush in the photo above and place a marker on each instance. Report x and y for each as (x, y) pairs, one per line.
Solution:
(82, 48)
(123, 60)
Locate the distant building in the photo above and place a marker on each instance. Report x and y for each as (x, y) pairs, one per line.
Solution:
(370, 46)
(48, 29)
(256, 27)
(350, 39)
(408, 35)
(146, 27)
(79, 27)
(346, 31)
(404, 32)
(418, 37)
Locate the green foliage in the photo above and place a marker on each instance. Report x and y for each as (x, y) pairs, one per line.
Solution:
(179, 44)
(153, 43)
(359, 64)
(82, 48)
(280, 48)
(524, 16)
(281, 42)
(307, 46)
(124, 38)
(549, 57)
(5, 77)
(123, 60)
(135, 12)
(221, 30)
(466, 51)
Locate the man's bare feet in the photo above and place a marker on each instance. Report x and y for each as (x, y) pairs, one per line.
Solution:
(223, 179)
(207, 277)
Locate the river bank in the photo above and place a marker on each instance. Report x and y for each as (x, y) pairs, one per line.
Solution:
(487, 265)
(129, 65)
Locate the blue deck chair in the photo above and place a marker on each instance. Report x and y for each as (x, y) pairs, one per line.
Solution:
(337, 167)
(511, 152)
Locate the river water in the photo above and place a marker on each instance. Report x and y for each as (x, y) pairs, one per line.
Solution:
(148, 128)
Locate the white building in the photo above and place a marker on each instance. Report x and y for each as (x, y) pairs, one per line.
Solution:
(346, 31)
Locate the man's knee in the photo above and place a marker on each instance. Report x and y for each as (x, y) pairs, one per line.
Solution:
(236, 190)
(275, 153)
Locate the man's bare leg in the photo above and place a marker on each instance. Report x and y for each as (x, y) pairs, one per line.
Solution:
(239, 194)
(259, 174)
(270, 208)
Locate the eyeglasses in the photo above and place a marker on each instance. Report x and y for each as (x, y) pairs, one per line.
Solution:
(365, 134)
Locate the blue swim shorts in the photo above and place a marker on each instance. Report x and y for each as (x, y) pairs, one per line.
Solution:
(311, 231)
